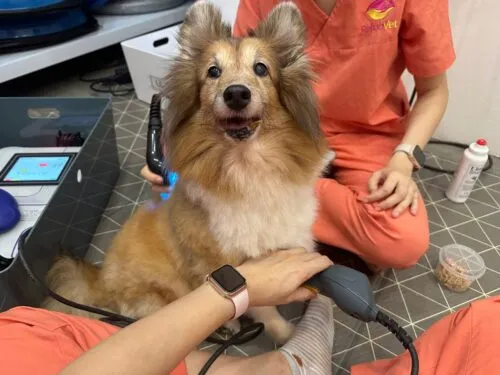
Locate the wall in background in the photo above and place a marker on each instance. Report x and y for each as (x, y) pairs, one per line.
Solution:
(474, 80)
(228, 9)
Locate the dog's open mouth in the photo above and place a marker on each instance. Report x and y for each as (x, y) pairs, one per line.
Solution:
(240, 128)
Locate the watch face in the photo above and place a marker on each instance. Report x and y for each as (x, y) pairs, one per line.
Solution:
(228, 278)
(419, 156)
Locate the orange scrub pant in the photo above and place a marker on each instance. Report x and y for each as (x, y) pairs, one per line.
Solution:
(35, 341)
(40, 342)
(347, 222)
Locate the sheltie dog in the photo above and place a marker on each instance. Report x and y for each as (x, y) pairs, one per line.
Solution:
(242, 130)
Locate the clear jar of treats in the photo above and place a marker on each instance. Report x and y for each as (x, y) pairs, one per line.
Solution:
(458, 267)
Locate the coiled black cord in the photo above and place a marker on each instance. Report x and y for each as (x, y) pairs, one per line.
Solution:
(154, 152)
(246, 334)
(403, 337)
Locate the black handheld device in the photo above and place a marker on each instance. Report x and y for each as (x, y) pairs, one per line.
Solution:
(154, 153)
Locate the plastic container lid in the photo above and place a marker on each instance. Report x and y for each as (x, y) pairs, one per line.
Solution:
(462, 261)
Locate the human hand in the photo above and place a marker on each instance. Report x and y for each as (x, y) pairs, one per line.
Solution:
(277, 279)
(394, 187)
(155, 180)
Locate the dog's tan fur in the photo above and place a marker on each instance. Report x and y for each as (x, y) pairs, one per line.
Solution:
(234, 200)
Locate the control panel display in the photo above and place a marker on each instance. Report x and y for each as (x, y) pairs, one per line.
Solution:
(39, 169)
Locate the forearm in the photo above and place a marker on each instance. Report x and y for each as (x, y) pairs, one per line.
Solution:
(428, 111)
(158, 343)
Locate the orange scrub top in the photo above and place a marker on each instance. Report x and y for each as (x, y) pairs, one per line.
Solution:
(359, 53)
(361, 50)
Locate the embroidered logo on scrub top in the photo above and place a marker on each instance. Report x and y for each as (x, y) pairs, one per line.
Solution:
(379, 10)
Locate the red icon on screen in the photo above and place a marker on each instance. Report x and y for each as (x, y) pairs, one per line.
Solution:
(42, 164)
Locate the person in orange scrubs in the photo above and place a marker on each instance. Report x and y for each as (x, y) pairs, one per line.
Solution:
(36, 341)
(359, 49)
(41, 342)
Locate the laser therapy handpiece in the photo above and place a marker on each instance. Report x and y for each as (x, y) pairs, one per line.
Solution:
(352, 293)
(154, 153)
(349, 289)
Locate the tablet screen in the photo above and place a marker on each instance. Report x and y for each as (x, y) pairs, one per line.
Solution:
(36, 168)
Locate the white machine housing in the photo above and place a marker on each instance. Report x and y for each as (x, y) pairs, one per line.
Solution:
(32, 199)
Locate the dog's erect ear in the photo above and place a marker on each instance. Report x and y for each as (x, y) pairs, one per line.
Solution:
(285, 32)
(202, 25)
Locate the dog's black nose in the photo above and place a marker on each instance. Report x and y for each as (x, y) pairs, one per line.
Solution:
(237, 97)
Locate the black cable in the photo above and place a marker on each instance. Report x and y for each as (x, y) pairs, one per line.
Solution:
(246, 334)
(413, 96)
(109, 86)
(111, 83)
(4, 262)
(462, 146)
(403, 337)
(110, 315)
(488, 165)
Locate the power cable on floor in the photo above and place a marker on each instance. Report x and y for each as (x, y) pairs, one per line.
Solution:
(461, 146)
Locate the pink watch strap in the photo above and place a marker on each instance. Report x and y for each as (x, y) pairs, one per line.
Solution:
(240, 302)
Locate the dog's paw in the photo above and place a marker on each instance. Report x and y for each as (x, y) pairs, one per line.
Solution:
(280, 330)
(233, 326)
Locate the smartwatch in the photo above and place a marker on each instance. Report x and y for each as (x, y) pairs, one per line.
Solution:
(415, 154)
(230, 284)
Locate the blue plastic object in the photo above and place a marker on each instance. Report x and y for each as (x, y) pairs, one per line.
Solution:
(172, 178)
(96, 4)
(29, 4)
(26, 24)
(48, 24)
(9, 211)
(30, 7)
(34, 6)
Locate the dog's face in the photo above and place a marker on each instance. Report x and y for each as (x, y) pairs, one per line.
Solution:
(240, 100)
(236, 87)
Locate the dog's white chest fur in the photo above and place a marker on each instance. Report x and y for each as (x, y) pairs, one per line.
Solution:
(271, 216)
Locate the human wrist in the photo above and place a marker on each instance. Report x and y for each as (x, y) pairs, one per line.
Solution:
(249, 283)
(402, 162)
(224, 305)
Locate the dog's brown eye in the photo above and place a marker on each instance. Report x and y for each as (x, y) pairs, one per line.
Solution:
(214, 72)
(260, 69)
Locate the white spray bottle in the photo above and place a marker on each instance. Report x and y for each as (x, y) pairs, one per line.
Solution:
(473, 161)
